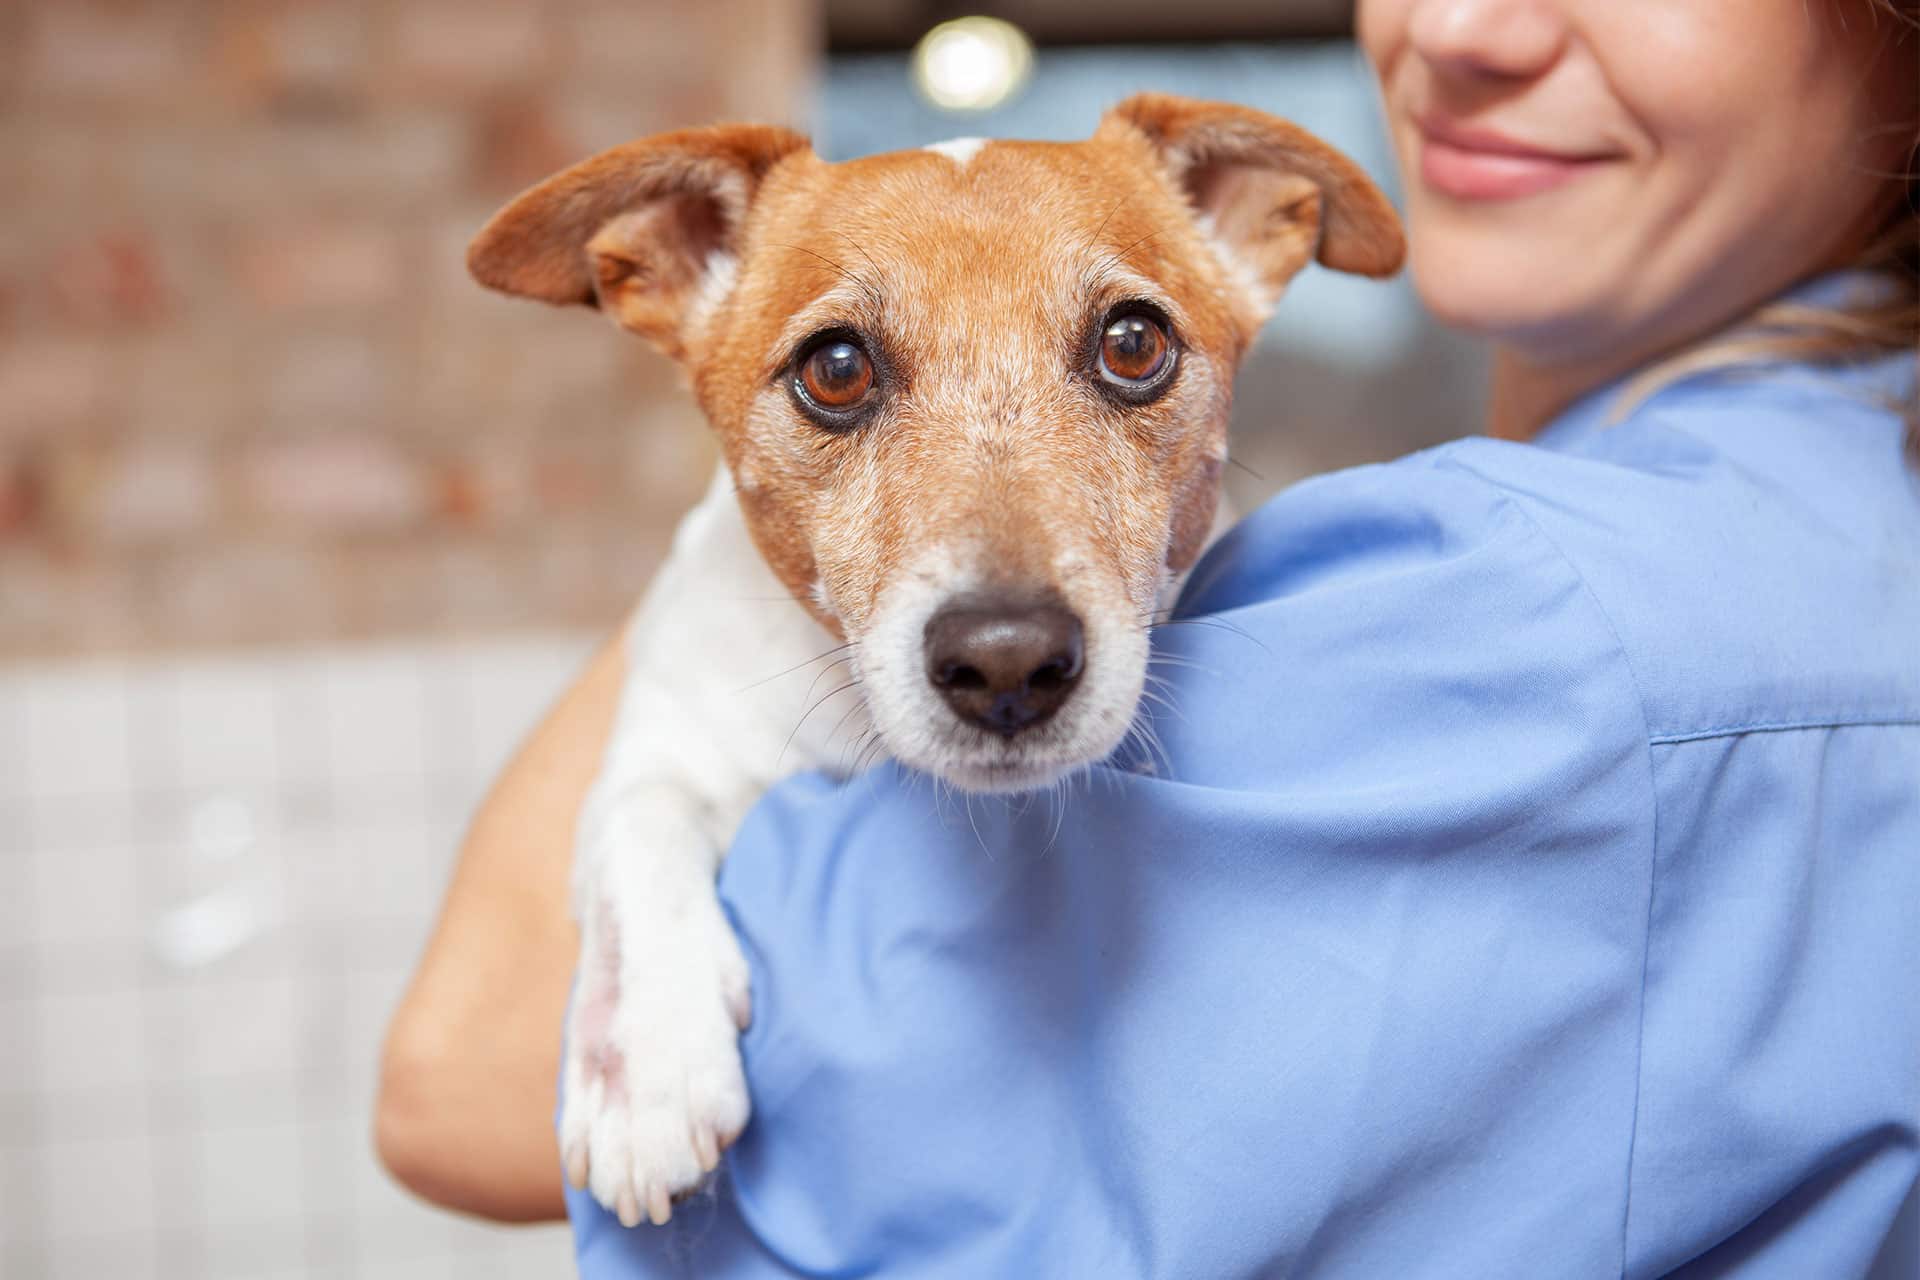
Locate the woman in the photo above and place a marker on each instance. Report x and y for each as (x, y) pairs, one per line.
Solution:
(1536, 891)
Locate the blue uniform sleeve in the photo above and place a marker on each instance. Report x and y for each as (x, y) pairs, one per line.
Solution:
(1341, 977)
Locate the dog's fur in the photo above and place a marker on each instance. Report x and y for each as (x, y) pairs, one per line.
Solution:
(994, 466)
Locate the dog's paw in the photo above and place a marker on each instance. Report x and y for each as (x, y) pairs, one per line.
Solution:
(653, 1085)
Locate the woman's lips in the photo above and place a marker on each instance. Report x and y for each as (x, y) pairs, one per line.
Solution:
(1469, 164)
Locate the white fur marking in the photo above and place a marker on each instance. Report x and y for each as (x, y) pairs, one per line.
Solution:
(958, 150)
(723, 269)
(1251, 286)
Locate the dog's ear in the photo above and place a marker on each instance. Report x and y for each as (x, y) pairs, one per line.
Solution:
(638, 231)
(1271, 194)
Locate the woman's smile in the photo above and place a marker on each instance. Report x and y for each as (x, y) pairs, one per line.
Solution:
(1467, 163)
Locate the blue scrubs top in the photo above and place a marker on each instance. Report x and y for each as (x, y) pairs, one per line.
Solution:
(1529, 885)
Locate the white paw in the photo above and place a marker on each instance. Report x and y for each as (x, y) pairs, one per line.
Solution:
(653, 1086)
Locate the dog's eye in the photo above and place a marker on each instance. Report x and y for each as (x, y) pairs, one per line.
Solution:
(836, 375)
(1133, 349)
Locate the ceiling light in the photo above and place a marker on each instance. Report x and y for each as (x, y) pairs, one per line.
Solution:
(972, 64)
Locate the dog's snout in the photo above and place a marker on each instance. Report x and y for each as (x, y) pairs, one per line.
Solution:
(1005, 667)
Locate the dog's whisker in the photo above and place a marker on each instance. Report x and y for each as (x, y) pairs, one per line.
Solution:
(1235, 462)
(841, 723)
(808, 714)
(1059, 812)
(1187, 664)
(1164, 692)
(871, 291)
(1160, 701)
(1218, 624)
(1121, 255)
(823, 673)
(978, 838)
(859, 249)
(839, 648)
(1093, 240)
(850, 754)
(1149, 741)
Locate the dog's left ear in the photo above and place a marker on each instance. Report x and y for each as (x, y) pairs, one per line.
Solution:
(638, 231)
(1274, 196)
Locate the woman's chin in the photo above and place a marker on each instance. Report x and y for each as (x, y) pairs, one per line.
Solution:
(1501, 292)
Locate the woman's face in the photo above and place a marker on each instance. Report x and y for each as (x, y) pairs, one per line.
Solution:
(1582, 174)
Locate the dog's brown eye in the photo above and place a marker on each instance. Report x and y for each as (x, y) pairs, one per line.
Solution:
(1133, 348)
(837, 375)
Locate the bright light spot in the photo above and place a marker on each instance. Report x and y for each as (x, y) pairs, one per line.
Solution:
(972, 64)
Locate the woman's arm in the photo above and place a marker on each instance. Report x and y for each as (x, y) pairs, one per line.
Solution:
(465, 1113)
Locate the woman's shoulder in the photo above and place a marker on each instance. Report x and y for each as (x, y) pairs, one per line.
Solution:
(1750, 545)
(1754, 540)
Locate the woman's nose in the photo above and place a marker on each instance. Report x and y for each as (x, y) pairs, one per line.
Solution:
(1482, 38)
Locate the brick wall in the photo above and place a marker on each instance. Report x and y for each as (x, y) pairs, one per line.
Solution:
(247, 392)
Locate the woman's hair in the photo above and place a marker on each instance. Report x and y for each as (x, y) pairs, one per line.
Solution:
(1883, 319)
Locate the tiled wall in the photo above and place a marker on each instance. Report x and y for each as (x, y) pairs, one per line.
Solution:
(215, 875)
(248, 393)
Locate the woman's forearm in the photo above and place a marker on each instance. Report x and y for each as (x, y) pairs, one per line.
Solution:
(464, 1116)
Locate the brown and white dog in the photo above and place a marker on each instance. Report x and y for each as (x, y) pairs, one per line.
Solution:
(972, 402)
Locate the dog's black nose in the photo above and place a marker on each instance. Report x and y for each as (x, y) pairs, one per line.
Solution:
(1004, 667)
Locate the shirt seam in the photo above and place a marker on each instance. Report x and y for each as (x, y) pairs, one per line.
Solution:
(1653, 827)
(1870, 720)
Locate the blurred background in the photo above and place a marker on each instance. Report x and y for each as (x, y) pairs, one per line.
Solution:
(300, 529)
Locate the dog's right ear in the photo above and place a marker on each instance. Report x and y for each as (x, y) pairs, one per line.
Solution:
(638, 230)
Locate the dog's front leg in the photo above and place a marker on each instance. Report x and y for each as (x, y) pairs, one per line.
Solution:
(653, 1088)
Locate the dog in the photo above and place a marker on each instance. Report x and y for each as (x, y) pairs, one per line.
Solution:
(972, 402)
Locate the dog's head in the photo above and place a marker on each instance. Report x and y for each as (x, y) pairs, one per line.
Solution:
(974, 397)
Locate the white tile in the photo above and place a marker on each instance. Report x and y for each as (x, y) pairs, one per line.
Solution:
(319, 1021)
(266, 1259)
(91, 1043)
(379, 871)
(212, 915)
(119, 1254)
(301, 695)
(18, 910)
(251, 1177)
(73, 1114)
(179, 1253)
(152, 725)
(371, 1000)
(333, 1147)
(390, 1224)
(444, 694)
(508, 688)
(488, 1251)
(81, 822)
(14, 682)
(15, 825)
(375, 715)
(401, 1260)
(75, 968)
(83, 895)
(230, 1028)
(19, 1044)
(252, 1102)
(86, 1181)
(226, 724)
(19, 971)
(404, 865)
(16, 814)
(76, 731)
(20, 1225)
